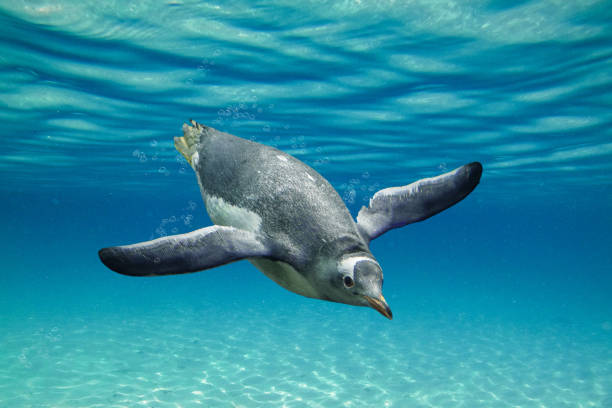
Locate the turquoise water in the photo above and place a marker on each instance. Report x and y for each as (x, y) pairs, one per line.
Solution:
(501, 301)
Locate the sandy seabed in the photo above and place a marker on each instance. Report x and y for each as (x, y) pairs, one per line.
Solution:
(265, 356)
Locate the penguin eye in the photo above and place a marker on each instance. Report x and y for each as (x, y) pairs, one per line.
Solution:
(348, 281)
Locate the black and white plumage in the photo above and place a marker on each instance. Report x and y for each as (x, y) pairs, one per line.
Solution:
(286, 219)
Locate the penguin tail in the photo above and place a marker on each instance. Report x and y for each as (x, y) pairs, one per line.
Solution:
(187, 144)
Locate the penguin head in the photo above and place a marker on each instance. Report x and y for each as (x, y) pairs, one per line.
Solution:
(358, 281)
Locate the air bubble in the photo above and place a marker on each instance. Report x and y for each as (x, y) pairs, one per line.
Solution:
(350, 195)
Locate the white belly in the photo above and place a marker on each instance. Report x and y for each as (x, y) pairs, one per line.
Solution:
(286, 276)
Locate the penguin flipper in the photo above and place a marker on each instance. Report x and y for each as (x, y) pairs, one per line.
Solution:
(195, 251)
(398, 206)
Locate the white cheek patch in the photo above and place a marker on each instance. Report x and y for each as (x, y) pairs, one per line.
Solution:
(223, 213)
(347, 265)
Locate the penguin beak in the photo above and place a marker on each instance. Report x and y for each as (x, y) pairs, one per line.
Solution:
(381, 305)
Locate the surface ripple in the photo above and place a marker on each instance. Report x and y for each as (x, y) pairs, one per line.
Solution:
(89, 86)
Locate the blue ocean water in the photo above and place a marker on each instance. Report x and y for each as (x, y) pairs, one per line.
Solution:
(501, 301)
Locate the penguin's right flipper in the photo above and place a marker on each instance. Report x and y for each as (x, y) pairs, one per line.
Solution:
(195, 251)
(398, 206)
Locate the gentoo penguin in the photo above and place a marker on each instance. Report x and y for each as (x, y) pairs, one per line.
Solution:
(287, 220)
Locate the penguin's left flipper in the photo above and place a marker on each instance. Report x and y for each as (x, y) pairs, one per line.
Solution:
(195, 251)
(398, 206)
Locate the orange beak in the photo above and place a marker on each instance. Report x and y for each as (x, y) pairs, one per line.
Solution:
(381, 305)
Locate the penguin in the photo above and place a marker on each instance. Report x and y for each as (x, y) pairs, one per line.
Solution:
(287, 220)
